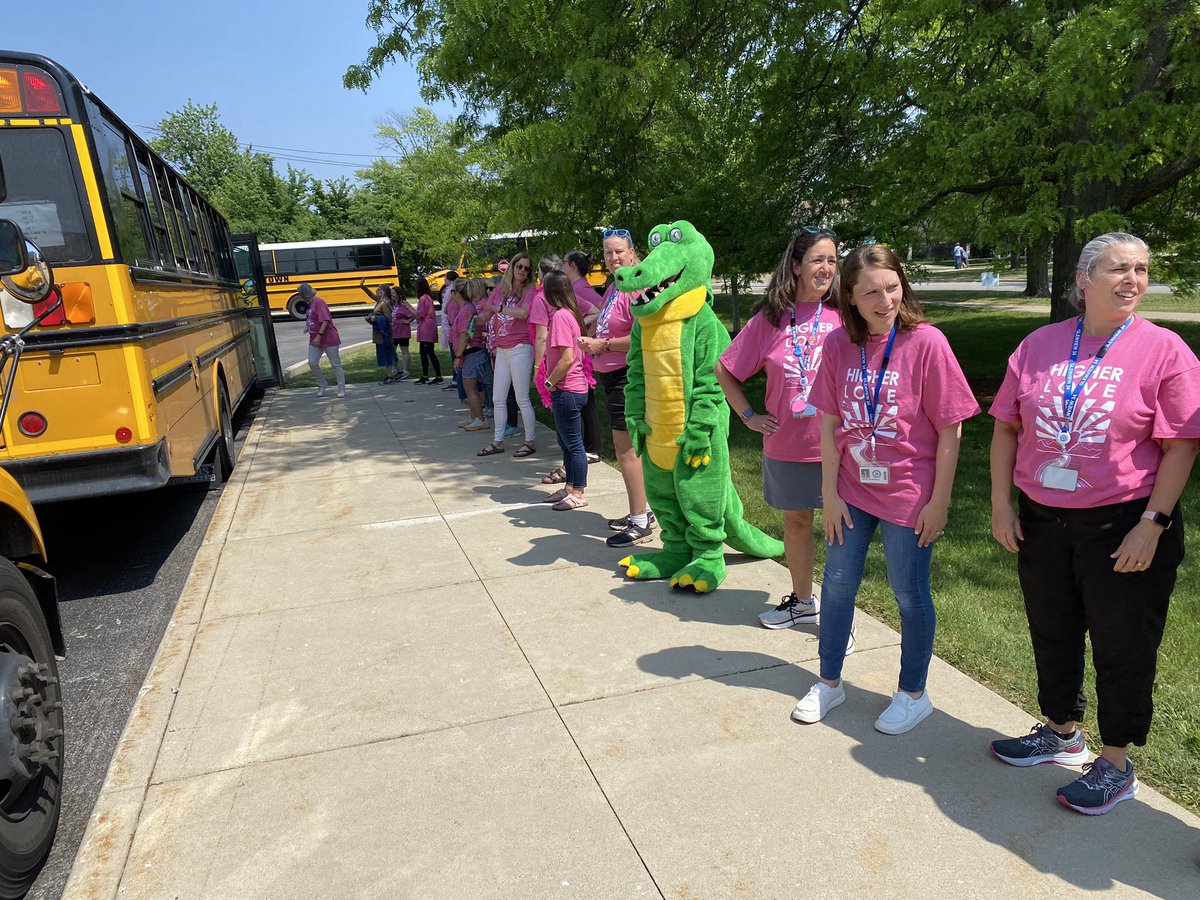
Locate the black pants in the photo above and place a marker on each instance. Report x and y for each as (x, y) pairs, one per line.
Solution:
(1071, 590)
(428, 358)
(591, 424)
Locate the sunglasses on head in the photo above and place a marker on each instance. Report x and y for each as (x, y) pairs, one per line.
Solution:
(815, 229)
(616, 232)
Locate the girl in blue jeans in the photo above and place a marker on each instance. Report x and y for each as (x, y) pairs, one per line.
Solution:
(893, 399)
(568, 386)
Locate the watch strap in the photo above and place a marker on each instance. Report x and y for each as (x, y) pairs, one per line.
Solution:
(1162, 520)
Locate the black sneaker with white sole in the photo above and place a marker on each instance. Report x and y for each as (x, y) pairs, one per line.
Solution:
(630, 537)
(622, 523)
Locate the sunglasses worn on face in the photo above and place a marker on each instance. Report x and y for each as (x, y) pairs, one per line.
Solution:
(616, 232)
(521, 267)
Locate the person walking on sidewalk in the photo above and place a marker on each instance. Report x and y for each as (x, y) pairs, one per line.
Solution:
(608, 349)
(567, 384)
(427, 334)
(893, 399)
(1097, 424)
(785, 336)
(323, 337)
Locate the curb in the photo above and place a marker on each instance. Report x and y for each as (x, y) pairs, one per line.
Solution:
(102, 854)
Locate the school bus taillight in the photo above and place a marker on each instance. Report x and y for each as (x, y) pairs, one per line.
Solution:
(32, 424)
(41, 94)
(123, 435)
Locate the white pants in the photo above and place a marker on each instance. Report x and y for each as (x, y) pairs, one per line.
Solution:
(335, 360)
(514, 368)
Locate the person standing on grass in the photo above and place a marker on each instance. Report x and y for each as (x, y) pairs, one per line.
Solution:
(508, 306)
(380, 321)
(785, 336)
(427, 334)
(567, 384)
(323, 337)
(608, 349)
(471, 359)
(893, 400)
(1097, 425)
(402, 318)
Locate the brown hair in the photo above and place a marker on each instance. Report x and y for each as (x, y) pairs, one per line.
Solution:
(781, 290)
(875, 256)
(558, 292)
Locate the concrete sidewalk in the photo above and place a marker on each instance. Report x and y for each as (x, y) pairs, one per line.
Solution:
(395, 673)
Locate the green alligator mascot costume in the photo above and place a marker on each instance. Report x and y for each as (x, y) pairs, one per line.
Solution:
(676, 414)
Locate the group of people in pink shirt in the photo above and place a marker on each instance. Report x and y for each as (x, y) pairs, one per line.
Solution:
(1097, 424)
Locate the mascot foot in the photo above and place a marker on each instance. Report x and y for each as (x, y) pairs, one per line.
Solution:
(648, 566)
(701, 575)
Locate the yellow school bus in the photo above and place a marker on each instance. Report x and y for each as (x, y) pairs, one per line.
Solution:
(487, 256)
(337, 270)
(134, 380)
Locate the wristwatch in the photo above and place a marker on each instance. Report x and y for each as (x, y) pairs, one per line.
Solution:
(549, 384)
(1162, 520)
(748, 413)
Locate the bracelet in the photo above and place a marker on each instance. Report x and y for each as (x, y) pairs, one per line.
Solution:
(606, 346)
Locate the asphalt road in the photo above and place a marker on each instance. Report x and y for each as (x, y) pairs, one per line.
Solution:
(292, 339)
(121, 564)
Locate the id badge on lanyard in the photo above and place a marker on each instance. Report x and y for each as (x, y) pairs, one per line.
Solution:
(875, 472)
(1059, 476)
(801, 408)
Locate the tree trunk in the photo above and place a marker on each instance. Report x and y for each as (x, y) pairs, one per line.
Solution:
(1037, 267)
(1066, 252)
(737, 321)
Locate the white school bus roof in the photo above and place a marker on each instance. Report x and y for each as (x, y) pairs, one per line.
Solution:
(307, 245)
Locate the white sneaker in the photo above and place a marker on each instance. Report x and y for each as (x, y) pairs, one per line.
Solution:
(903, 713)
(476, 425)
(820, 699)
(321, 391)
(341, 392)
(792, 611)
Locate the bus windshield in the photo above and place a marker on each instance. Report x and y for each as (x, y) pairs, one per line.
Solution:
(42, 197)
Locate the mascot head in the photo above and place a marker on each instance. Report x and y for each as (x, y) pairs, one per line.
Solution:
(680, 260)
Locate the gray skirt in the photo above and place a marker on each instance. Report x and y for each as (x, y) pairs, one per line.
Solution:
(791, 485)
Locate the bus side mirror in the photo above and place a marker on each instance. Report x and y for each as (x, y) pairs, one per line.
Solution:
(24, 272)
(12, 248)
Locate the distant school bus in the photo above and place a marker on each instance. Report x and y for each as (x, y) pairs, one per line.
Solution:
(134, 381)
(337, 271)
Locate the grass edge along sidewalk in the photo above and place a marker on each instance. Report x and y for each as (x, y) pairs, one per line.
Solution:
(981, 620)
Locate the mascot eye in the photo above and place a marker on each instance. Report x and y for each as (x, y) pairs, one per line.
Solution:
(655, 239)
(676, 235)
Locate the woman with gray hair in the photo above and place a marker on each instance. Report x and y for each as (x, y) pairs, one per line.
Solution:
(322, 338)
(1097, 425)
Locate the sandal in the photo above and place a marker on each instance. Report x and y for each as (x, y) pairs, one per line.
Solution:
(526, 449)
(593, 458)
(569, 502)
(557, 497)
(556, 476)
(491, 449)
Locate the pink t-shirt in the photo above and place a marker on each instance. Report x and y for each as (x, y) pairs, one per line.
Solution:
(586, 297)
(462, 325)
(402, 318)
(509, 331)
(318, 312)
(923, 391)
(426, 319)
(539, 309)
(450, 317)
(1146, 389)
(761, 345)
(563, 331)
(616, 321)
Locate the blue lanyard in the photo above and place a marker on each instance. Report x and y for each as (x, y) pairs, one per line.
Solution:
(1071, 390)
(805, 356)
(872, 401)
(606, 311)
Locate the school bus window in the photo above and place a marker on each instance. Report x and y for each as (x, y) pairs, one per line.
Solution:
(119, 184)
(370, 256)
(42, 197)
(326, 259)
(160, 246)
(267, 258)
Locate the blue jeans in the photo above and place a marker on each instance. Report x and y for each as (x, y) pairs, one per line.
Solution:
(568, 425)
(908, 574)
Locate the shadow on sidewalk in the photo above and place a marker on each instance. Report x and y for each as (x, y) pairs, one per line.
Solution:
(1015, 809)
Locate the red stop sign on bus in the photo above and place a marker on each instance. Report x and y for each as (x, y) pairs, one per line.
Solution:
(502, 266)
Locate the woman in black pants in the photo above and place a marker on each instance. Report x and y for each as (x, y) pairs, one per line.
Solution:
(427, 334)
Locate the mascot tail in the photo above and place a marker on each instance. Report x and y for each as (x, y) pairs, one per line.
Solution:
(746, 538)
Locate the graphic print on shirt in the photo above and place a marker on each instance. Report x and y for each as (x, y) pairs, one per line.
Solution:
(856, 419)
(1087, 430)
(503, 319)
(797, 380)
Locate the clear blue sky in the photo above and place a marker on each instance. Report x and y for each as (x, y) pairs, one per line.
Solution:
(273, 67)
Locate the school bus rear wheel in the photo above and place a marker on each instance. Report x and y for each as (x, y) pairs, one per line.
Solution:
(31, 735)
(297, 307)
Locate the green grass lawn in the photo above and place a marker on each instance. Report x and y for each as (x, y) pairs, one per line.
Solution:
(981, 620)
